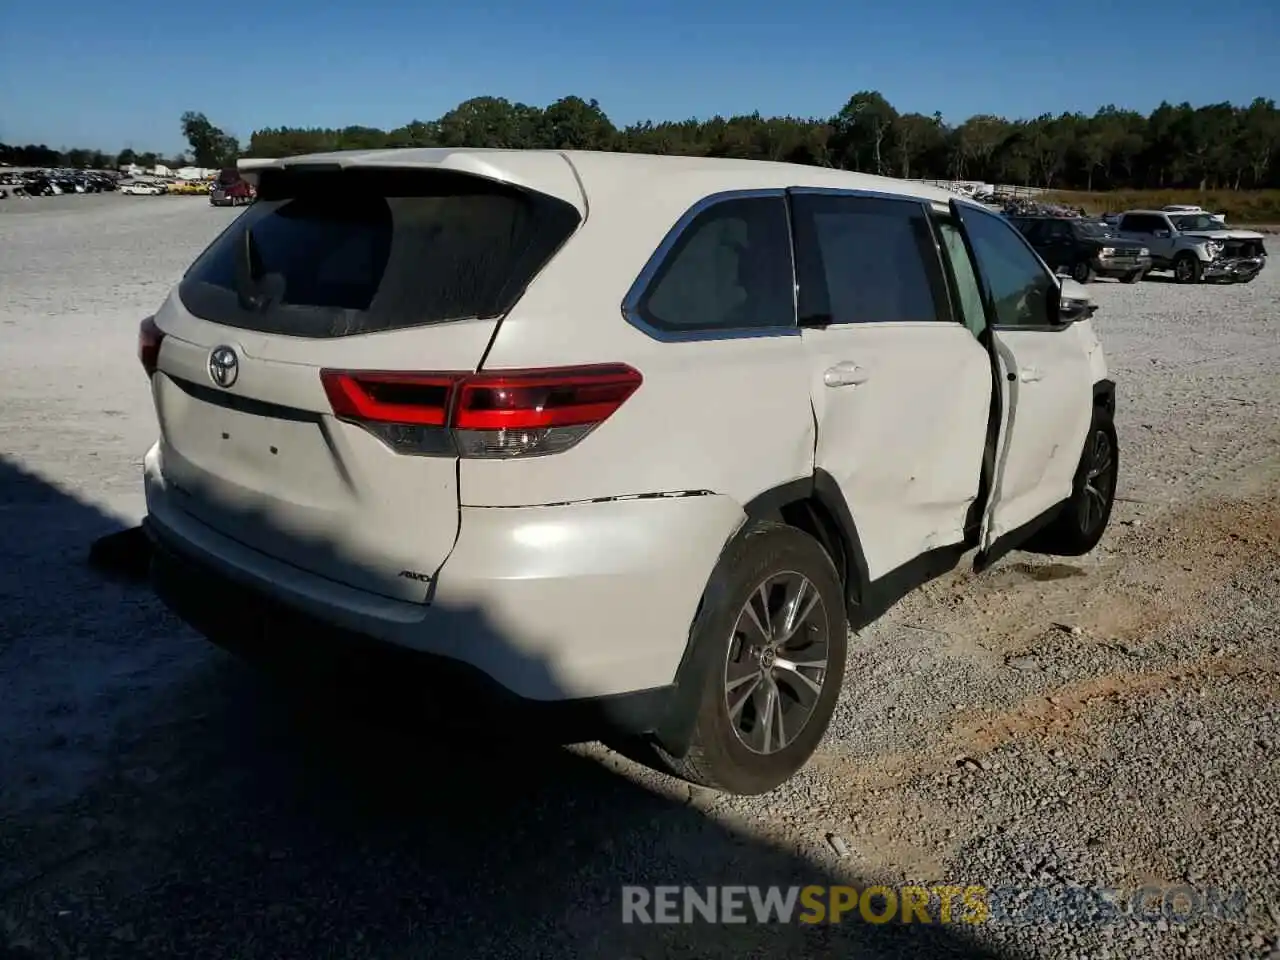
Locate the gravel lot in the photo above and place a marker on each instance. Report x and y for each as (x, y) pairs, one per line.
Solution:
(1047, 730)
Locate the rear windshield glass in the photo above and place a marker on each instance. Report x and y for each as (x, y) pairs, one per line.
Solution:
(338, 253)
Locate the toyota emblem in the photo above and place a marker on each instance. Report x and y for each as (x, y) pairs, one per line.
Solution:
(224, 366)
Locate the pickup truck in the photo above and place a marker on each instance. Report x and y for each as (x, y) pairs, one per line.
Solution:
(1084, 248)
(1195, 246)
(230, 190)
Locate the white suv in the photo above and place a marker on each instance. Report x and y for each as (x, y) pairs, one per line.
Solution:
(623, 440)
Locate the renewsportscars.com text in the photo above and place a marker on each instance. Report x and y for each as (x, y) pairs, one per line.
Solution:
(943, 904)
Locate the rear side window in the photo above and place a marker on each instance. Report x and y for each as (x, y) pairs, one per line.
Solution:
(339, 253)
(730, 269)
(866, 260)
(1142, 223)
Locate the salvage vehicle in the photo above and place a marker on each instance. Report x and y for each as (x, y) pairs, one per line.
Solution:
(1196, 246)
(1085, 249)
(608, 442)
(140, 189)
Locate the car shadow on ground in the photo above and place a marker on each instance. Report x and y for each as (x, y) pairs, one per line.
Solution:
(225, 815)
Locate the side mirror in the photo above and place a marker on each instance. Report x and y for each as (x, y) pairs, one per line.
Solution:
(1066, 305)
(1162, 234)
(1069, 311)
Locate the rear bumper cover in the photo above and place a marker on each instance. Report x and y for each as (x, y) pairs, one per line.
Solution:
(556, 603)
(283, 640)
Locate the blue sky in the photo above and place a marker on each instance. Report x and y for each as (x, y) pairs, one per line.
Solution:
(109, 76)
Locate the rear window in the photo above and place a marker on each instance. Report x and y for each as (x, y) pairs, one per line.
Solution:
(338, 253)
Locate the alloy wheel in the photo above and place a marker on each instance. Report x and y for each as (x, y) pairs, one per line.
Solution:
(777, 662)
(1099, 482)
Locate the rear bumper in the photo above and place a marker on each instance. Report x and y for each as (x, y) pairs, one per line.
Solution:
(283, 640)
(544, 604)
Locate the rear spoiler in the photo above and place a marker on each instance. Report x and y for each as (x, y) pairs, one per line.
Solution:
(539, 171)
(249, 168)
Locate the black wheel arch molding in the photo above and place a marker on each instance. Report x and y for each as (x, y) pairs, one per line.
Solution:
(1104, 396)
(816, 505)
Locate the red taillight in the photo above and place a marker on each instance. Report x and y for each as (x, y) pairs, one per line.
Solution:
(511, 413)
(150, 337)
(411, 398)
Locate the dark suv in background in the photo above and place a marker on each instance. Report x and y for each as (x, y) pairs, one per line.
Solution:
(1085, 248)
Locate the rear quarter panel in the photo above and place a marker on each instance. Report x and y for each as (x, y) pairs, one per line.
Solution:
(731, 416)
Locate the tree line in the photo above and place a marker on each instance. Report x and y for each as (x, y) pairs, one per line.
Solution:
(1218, 146)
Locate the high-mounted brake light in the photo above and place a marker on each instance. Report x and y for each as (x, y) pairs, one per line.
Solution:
(509, 413)
(149, 339)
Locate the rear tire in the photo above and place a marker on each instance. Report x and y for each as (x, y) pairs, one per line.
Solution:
(774, 672)
(1082, 272)
(1187, 268)
(1082, 522)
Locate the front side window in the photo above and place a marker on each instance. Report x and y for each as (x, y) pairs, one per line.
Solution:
(866, 260)
(729, 270)
(1016, 281)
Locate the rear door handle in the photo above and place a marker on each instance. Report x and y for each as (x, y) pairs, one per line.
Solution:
(1029, 374)
(845, 374)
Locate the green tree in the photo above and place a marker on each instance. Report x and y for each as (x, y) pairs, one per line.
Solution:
(914, 135)
(1259, 138)
(862, 126)
(210, 146)
(572, 123)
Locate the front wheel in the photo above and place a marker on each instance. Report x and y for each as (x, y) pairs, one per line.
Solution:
(1187, 268)
(1084, 517)
(1082, 272)
(773, 633)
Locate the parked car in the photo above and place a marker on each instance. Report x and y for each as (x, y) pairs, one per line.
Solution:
(639, 469)
(142, 189)
(1195, 246)
(1085, 249)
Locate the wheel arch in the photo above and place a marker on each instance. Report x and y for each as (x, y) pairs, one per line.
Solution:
(812, 504)
(817, 506)
(1104, 396)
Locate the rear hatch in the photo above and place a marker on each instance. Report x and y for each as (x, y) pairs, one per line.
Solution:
(341, 268)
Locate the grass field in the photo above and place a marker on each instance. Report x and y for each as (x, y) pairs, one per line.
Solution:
(1240, 206)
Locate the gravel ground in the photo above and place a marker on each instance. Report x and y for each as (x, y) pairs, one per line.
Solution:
(1062, 733)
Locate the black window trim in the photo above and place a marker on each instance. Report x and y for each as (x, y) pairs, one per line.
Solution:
(937, 219)
(640, 286)
(993, 319)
